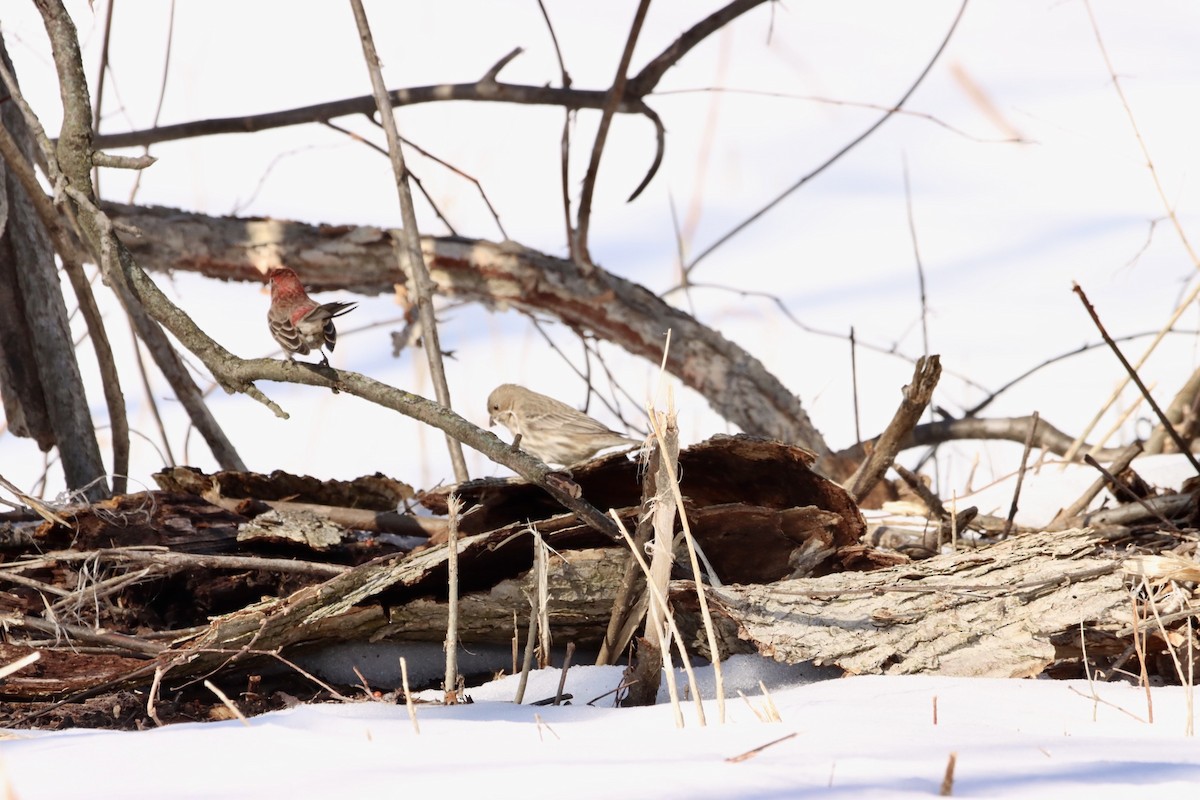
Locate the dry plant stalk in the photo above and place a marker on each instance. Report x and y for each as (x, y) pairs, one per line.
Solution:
(1162, 629)
(1186, 303)
(948, 778)
(408, 701)
(152, 696)
(751, 753)
(1139, 643)
(668, 665)
(670, 620)
(450, 687)
(660, 424)
(20, 664)
(224, 698)
(541, 559)
(1132, 369)
(536, 610)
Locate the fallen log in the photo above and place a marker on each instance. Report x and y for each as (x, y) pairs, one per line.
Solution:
(990, 612)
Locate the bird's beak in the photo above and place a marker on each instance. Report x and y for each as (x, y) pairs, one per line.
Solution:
(491, 421)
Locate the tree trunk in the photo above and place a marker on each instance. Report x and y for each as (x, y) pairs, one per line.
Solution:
(40, 380)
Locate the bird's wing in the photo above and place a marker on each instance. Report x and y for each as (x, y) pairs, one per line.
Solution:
(568, 420)
(287, 334)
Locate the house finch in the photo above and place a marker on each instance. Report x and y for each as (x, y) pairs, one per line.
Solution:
(296, 321)
(550, 430)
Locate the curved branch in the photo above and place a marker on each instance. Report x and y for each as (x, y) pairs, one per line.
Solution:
(660, 146)
(506, 276)
(646, 80)
(1015, 429)
(483, 90)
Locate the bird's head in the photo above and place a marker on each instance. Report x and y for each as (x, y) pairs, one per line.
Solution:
(500, 403)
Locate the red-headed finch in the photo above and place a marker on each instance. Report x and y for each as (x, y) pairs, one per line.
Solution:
(297, 322)
(549, 429)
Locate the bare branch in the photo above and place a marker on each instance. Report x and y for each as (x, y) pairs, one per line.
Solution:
(615, 95)
(1133, 375)
(741, 226)
(646, 80)
(1016, 429)
(409, 234)
(880, 457)
(482, 90)
(102, 159)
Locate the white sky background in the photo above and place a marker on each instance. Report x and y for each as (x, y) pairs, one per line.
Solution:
(1002, 228)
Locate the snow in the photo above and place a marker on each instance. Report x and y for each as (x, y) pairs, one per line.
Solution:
(1003, 230)
(865, 736)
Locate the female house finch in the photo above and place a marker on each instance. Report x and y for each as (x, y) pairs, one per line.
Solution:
(550, 430)
(298, 323)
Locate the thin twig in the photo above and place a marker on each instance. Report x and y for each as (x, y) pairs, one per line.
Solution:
(412, 244)
(1012, 509)
(224, 698)
(162, 94)
(756, 750)
(527, 661)
(1166, 423)
(854, 384)
(565, 141)
(912, 234)
(408, 701)
(562, 677)
(836, 156)
(1119, 464)
(121, 641)
(1119, 487)
(615, 95)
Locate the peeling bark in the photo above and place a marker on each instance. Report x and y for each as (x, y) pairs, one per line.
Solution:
(989, 613)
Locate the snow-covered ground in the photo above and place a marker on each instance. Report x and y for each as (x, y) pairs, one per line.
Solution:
(859, 737)
(1002, 228)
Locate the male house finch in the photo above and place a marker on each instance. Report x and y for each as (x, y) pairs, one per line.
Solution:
(296, 321)
(549, 429)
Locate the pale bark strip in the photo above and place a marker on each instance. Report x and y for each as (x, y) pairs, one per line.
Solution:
(501, 276)
(989, 612)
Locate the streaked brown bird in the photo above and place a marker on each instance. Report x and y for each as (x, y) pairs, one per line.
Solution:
(298, 322)
(549, 429)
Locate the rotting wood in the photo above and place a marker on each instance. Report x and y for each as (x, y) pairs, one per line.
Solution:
(989, 612)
